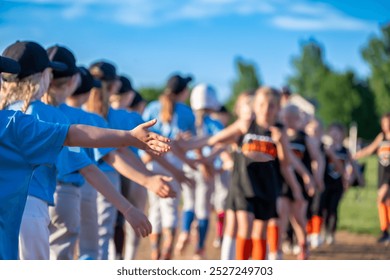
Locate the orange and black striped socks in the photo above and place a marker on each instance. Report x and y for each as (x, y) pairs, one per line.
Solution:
(243, 248)
(316, 222)
(259, 251)
(384, 214)
(309, 227)
(273, 238)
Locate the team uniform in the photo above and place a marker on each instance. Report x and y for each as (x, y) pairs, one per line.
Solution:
(163, 212)
(197, 201)
(299, 148)
(34, 233)
(334, 189)
(383, 162)
(255, 185)
(107, 213)
(26, 144)
(74, 215)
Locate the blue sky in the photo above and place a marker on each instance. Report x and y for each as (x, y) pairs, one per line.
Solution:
(150, 39)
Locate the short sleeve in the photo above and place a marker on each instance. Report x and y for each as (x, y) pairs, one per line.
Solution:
(40, 142)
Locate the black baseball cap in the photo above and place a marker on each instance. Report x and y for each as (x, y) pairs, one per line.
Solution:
(87, 81)
(32, 58)
(8, 65)
(177, 83)
(103, 70)
(126, 85)
(136, 100)
(64, 55)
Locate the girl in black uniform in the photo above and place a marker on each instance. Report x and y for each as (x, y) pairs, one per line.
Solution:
(255, 183)
(381, 145)
(307, 151)
(337, 157)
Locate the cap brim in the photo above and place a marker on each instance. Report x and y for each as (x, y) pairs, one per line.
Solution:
(8, 65)
(58, 66)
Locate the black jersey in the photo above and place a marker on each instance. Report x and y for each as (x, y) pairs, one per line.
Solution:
(256, 179)
(384, 162)
(331, 175)
(299, 147)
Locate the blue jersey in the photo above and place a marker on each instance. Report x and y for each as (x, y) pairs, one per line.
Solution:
(210, 127)
(25, 145)
(183, 119)
(79, 116)
(122, 120)
(69, 161)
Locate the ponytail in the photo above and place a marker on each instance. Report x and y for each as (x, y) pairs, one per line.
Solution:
(98, 101)
(167, 106)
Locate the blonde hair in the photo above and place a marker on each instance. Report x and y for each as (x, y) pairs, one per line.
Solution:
(269, 92)
(49, 96)
(239, 97)
(13, 89)
(167, 100)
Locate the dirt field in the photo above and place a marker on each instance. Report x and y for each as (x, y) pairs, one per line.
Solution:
(348, 246)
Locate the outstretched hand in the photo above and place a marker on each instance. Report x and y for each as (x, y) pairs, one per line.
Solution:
(138, 221)
(159, 184)
(150, 141)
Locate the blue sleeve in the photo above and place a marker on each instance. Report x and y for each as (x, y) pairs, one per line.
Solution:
(40, 142)
(72, 159)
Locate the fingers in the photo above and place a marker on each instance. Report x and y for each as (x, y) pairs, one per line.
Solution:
(159, 137)
(166, 178)
(148, 124)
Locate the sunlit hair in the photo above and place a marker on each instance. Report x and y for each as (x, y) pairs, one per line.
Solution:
(99, 99)
(269, 92)
(167, 100)
(55, 85)
(13, 89)
(248, 93)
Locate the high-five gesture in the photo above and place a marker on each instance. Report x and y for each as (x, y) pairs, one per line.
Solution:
(150, 141)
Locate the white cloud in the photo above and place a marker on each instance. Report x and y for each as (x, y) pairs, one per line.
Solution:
(283, 14)
(318, 16)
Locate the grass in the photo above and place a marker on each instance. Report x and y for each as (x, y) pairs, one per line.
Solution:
(358, 209)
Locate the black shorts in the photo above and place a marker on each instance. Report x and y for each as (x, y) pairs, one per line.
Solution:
(383, 175)
(287, 192)
(261, 209)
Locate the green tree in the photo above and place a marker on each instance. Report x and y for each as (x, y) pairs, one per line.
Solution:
(247, 79)
(151, 93)
(309, 70)
(338, 98)
(377, 54)
(365, 115)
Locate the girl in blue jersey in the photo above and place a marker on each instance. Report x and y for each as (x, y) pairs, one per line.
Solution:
(98, 102)
(175, 118)
(63, 242)
(27, 143)
(29, 85)
(126, 242)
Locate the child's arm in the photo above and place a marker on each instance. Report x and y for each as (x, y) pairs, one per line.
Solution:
(128, 165)
(179, 175)
(303, 172)
(139, 137)
(317, 161)
(138, 221)
(370, 149)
